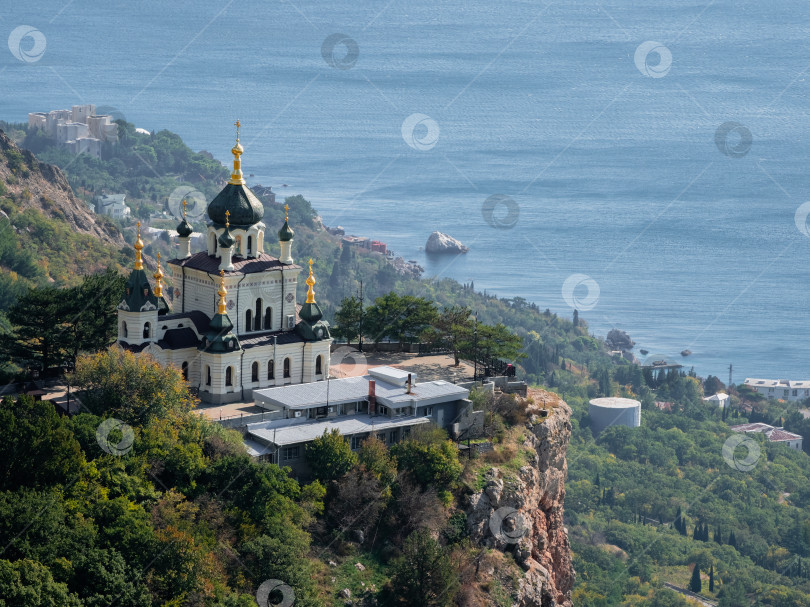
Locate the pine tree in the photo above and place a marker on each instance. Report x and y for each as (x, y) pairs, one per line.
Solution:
(694, 583)
(680, 523)
(711, 579)
(576, 317)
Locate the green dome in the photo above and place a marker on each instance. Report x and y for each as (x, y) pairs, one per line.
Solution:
(285, 234)
(225, 239)
(245, 209)
(184, 228)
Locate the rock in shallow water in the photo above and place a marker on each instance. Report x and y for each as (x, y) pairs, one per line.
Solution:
(439, 242)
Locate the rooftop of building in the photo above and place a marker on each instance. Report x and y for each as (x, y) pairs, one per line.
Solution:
(208, 263)
(355, 389)
(777, 383)
(720, 396)
(294, 431)
(774, 434)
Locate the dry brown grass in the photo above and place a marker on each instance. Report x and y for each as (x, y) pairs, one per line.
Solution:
(502, 454)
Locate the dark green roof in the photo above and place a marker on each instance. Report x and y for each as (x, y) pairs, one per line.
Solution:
(138, 295)
(245, 209)
(225, 239)
(219, 338)
(310, 312)
(285, 234)
(184, 228)
(310, 327)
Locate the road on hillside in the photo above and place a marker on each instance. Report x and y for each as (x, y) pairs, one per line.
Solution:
(701, 599)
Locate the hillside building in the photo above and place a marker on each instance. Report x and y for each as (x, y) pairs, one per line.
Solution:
(234, 325)
(113, 205)
(387, 403)
(80, 129)
(775, 435)
(784, 389)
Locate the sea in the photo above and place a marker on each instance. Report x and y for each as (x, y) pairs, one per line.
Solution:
(644, 161)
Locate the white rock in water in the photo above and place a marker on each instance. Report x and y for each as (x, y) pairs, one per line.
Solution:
(442, 243)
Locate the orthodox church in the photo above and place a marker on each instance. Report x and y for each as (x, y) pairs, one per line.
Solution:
(233, 324)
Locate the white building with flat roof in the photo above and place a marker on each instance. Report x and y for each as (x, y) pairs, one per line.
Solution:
(784, 389)
(386, 403)
(79, 129)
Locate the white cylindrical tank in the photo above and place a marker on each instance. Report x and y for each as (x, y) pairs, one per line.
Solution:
(614, 411)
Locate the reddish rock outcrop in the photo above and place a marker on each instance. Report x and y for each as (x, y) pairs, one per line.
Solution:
(522, 512)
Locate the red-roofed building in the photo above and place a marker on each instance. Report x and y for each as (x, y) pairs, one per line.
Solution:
(775, 435)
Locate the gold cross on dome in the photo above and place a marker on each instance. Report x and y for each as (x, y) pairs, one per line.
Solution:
(286, 212)
(238, 124)
(310, 263)
(227, 219)
(184, 208)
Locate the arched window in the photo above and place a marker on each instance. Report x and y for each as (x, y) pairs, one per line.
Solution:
(147, 330)
(318, 365)
(124, 329)
(268, 319)
(250, 245)
(213, 243)
(254, 371)
(271, 369)
(239, 246)
(185, 370)
(286, 367)
(258, 319)
(249, 320)
(229, 376)
(207, 375)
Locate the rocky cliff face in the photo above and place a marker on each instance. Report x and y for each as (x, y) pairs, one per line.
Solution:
(35, 184)
(522, 512)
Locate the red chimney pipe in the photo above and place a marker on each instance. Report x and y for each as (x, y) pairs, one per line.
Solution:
(372, 397)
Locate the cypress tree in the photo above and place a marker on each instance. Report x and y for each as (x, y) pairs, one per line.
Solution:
(694, 583)
(732, 539)
(711, 579)
(718, 536)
